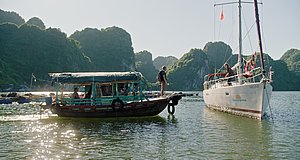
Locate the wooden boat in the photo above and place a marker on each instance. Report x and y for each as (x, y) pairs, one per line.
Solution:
(107, 94)
(247, 93)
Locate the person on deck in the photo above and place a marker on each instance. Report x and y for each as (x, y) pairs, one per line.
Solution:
(89, 93)
(250, 64)
(229, 73)
(162, 78)
(75, 94)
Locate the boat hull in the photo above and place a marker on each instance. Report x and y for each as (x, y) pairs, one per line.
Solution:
(250, 100)
(133, 109)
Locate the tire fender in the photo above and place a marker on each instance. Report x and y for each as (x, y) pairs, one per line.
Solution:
(117, 101)
(171, 108)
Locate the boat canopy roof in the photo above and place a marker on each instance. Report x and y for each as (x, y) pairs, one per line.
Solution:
(100, 77)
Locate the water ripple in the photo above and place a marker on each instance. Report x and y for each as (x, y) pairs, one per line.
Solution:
(194, 132)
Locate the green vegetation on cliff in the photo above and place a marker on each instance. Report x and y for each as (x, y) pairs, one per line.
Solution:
(37, 22)
(28, 49)
(109, 49)
(218, 53)
(160, 61)
(292, 59)
(283, 79)
(11, 17)
(144, 64)
(188, 72)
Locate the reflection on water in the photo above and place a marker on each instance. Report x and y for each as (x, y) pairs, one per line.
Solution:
(194, 132)
(254, 135)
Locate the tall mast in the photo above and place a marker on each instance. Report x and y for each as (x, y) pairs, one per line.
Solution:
(240, 44)
(259, 38)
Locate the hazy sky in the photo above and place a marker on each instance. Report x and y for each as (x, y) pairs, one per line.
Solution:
(170, 27)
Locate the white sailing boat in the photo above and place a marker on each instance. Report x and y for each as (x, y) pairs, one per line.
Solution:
(246, 93)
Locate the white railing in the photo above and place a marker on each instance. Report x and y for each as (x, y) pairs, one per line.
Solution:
(253, 76)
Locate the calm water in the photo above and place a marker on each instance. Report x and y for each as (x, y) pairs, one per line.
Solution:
(195, 132)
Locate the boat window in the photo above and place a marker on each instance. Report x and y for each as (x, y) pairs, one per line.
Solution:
(66, 90)
(87, 91)
(98, 91)
(109, 89)
(103, 90)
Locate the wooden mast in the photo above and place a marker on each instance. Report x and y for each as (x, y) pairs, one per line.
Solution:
(259, 38)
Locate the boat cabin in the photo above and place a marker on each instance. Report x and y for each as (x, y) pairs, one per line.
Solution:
(97, 88)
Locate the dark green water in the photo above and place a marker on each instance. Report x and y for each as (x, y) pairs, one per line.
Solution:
(195, 132)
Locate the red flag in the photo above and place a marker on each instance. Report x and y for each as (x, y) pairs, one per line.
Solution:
(222, 16)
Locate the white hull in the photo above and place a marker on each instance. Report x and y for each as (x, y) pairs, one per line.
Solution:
(250, 100)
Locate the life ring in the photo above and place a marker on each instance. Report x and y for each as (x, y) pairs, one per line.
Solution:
(117, 101)
(171, 108)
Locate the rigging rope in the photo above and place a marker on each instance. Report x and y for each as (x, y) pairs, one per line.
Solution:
(219, 33)
(269, 106)
(247, 34)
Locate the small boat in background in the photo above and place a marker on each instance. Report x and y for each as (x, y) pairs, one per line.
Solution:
(13, 97)
(106, 94)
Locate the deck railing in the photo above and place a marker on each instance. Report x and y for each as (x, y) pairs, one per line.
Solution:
(253, 76)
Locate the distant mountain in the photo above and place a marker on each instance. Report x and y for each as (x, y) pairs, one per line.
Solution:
(160, 61)
(11, 17)
(28, 49)
(144, 64)
(109, 49)
(37, 22)
(292, 59)
(283, 78)
(188, 72)
(15, 18)
(218, 53)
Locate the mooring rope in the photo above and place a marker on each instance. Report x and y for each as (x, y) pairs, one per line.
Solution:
(269, 105)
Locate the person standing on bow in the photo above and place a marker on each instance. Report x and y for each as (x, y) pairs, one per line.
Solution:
(162, 78)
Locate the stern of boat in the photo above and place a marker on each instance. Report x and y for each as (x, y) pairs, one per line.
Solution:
(173, 101)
